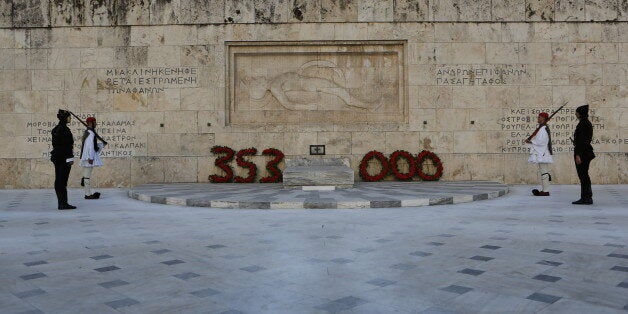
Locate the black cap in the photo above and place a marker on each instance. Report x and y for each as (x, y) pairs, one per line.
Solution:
(63, 115)
(583, 110)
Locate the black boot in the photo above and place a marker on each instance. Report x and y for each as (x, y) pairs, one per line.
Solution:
(66, 206)
(535, 192)
(583, 201)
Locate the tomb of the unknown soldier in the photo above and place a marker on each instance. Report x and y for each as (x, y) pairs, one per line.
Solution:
(313, 156)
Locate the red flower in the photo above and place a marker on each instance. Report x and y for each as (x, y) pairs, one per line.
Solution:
(420, 159)
(364, 174)
(394, 165)
(222, 163)
(246, 164)
(275, 173)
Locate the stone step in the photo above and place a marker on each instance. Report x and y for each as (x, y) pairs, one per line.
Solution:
(301, 172)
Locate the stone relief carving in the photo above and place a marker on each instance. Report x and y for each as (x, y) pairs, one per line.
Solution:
(300, 91)
(311, 83)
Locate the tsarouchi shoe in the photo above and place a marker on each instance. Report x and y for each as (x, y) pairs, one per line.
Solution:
(94, 196)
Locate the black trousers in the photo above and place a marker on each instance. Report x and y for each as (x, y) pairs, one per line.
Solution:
(585, 180)
(62, 173)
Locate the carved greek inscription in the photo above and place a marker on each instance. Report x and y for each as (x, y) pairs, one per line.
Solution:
(146, 80)
(521, 122)
(480, 75)
(116, 132)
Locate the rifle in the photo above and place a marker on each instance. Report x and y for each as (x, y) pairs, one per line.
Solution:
(85, 124)
(550, 117)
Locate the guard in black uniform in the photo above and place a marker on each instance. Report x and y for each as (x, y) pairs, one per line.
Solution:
(583, 154)
(63, 157)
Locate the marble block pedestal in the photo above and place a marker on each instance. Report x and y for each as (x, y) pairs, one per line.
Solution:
(302, 172)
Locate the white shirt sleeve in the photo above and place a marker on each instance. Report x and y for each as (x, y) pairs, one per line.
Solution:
(540, 140)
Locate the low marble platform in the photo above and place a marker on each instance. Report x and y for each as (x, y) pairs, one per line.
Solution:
(301, 172)
(274, 196)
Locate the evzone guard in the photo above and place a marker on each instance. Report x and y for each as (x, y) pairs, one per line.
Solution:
(541, 153)
(90, 157)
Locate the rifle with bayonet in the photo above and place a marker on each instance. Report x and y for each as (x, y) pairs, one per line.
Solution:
(85, 124)
(539, 127)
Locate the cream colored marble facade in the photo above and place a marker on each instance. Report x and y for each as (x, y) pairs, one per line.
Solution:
(165, 93)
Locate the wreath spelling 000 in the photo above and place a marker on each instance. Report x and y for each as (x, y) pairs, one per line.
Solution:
(364, 174)
(394, 165)
(420, 159)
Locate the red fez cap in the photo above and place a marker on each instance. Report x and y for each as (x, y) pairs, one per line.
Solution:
(544, 115)
(90, 119)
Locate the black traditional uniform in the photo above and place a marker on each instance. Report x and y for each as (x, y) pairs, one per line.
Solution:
(62, 157)
(583, 149)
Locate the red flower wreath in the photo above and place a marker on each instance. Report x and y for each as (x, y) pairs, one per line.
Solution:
(275, 173)
(420, 159)
(246, 164)
(222, 163)
(394, 165)
(364, 174)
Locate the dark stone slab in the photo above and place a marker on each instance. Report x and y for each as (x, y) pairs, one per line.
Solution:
(254, 205)
(620, 268)
(29, 293)
(481, 258)
(311, 204)
(441, 201)
(473, 272)
(252, 269)
(121, 303)
(490, 247)
(158, 199)
(551, 251)
(549, 263)
(106, 269)
(186, 276)
(99, 257)
(341, 304)
(35, 263)
(545, 298)
(385, 204)
(420, 253)
(457, 289)
(203, 293)
(33, 276)
(546, 278)
(381, 282)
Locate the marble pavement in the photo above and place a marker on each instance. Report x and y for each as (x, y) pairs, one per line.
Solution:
(513, 254)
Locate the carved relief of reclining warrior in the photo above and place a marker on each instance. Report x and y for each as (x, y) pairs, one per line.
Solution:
(309, 89)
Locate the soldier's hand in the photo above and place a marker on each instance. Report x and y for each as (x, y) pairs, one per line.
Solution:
(578, 160)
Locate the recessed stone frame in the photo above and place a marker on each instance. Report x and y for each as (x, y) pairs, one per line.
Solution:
(316, 82)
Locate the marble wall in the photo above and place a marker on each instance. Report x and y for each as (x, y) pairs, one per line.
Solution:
(161, 81)
(42, 13)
